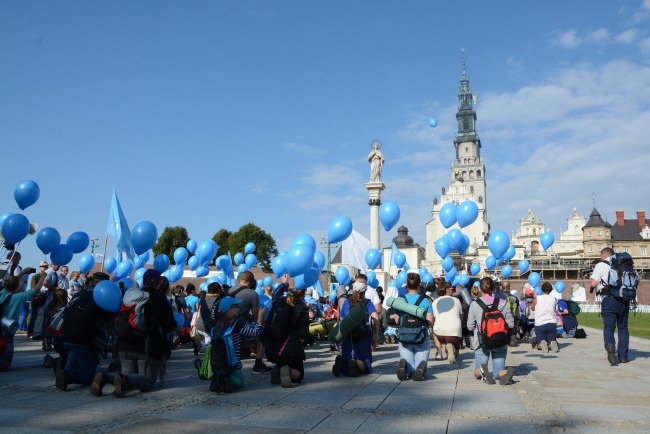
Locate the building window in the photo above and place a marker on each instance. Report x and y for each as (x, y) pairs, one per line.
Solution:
(644, 251)
(600, 233)
(600, 248)
(478, 174)
(588, 233)
(626, 249)
(590, 249)
(607, 233)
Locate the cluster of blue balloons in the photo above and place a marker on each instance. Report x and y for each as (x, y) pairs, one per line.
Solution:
(15, 227)
(301, 261)
(464, 214)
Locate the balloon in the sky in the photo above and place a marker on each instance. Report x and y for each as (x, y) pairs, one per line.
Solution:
(546, 240)
(389, 214)
(433, 122)
(26, 193)
(339, 229)
(143, 236)
(448, 215)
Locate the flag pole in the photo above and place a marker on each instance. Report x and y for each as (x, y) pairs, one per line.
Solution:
(104, 257)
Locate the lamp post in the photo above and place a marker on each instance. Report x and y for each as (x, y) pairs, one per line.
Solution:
(324, 242)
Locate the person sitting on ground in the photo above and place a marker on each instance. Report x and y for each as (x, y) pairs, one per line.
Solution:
(413, 357)
(205, 323)
(356, 348)
(447, 323)
(569, 320)
(482, 355)
(12, 299)
(545, 306)
(288, 326)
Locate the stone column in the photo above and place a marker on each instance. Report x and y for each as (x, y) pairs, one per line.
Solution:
(374, 193)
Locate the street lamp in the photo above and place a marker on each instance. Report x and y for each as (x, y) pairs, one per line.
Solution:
(329, 245)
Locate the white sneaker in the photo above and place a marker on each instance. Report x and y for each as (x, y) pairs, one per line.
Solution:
(544, 346)
(451, 353)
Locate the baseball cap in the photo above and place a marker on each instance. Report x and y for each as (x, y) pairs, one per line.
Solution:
(151, 274)
(359, 286)
(43, 264)
(228, 302)
(528, 291)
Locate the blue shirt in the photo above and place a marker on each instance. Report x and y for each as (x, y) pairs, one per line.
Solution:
(192, 301)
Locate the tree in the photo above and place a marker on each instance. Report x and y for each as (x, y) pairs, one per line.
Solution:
(221, 238)
(170, 240)
(265, 247)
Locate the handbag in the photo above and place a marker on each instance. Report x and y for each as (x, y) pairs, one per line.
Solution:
(194, 332)
(55, 327)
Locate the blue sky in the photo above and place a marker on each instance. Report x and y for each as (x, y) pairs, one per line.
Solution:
(213, 114)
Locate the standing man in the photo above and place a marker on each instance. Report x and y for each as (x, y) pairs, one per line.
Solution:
(614, 310)
(63, 281)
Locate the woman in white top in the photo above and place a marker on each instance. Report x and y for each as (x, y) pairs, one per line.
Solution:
(545, 306)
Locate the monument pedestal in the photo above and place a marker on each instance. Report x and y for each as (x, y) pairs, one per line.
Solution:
(374, 194)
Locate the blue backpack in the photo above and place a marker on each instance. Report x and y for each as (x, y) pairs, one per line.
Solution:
(623, 279)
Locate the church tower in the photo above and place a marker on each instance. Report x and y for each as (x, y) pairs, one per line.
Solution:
(467, 180)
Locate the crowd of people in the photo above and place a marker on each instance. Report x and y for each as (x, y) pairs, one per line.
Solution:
(274, 325)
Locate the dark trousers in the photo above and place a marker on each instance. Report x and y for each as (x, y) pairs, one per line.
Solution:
(615, 313)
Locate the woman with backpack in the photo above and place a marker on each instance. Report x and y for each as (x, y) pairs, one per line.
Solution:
(414, 353)
(356, 347)
(285, 327)
(486, 319)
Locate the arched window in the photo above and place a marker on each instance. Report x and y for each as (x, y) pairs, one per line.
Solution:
(478, 174)
(471, 174)
(480, 199)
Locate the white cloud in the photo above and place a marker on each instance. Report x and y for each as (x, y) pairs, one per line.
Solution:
(645, 45)
(567, 39)
(303, 149)
(627, 37)
(598, 36)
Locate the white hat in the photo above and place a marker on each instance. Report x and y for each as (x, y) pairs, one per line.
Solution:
(359, 286)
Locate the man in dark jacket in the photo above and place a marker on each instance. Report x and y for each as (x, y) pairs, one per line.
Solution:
(142, 359)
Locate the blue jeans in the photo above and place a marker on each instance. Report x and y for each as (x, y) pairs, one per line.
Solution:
(24, 313)
(481, 356)
(141, 371)
(615, 312)
(82, 363)
(414, 354)
(546, 332)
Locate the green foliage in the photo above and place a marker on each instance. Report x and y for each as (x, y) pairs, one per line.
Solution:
(170, 240)
(221, 238)
(638, 324)
(265, 247)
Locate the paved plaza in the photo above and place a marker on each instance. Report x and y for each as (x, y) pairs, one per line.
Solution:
(573, 391)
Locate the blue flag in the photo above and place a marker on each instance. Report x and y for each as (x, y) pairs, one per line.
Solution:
(118, 227)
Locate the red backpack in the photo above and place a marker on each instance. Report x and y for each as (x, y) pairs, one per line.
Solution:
(494, 331)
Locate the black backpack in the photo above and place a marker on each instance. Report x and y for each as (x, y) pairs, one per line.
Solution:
(223, 358)
(412, 329)
(278, 324)
(80, 319)
(623, 279)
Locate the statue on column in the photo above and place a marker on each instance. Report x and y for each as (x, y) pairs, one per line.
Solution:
(376, 160)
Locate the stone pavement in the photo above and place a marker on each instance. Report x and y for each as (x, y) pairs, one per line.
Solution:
(574, 391)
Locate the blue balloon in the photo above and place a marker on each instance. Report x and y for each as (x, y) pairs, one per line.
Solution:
(370, 275)
(447, 263)
(401, 279)
(26, 193)
(202, 271)
(442, 247)
(110, 264)
(191, 246)
(307, 279)
(433, 122)
(161, 263)
(251, 260)
(238, 258)
(490, 262)
(175, 273)
(342, 275)
(534, 278)
(339, 229)
(7, 214)
(427, 278)
(373, 258)
(506, 271)
(137, 262)
(47, 239)
(180, 255)
(242, 268)
(193, 262)
(124, 268)
(422, 271)
(510, 253)
(463, 279)
(86, 262)
(304, 239)
(463, 245)
(389, 214)
(400, 259)
(145, 257)
(249, 248)
(78, 241)
(206, 251)
(455, 238)
(319, 259)
(137, 276)
(143, 236)
(107, 296)
(61, 255)
(537, 290)
(546, 240)
(447, 214)
(523, 266)
(560, 286)
(299, 259)
(222, 278)
(475, 268)
(498, 243)
(278, 267)
(451, 274)
(466, 213)
(268, 281)
(15, 228)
